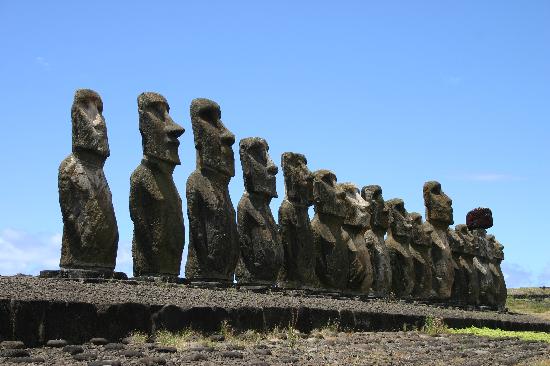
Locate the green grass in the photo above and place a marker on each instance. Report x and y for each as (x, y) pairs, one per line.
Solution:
(498, 333)
(537, 307)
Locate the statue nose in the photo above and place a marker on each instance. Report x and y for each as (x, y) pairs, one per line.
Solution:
(272, 169)
(228, 138)
(173, 129)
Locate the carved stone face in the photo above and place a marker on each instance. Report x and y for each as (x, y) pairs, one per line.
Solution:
(298, 178)
(358, 208)
(89, 129)
(159, 133)
(213, 140)
(419, 237)
(328, 197)
(439, 208)
(470, 245)
(258, 169)
(495, 250)
(399, 224)
(379, 212)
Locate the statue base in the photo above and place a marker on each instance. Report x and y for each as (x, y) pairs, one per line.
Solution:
(160, 278)
(76, 273)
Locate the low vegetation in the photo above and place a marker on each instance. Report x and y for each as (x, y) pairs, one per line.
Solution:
(536, 307)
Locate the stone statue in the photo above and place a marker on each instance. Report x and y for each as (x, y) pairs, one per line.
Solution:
(355, 225)
(332, 263)
(459, 292)
(155, 204)
(260, 243)
(398, 242)
(494, 264)
(470, 294)
(420, 249)
(481, 264)
(374, 237)
(439, 215)
(90, 232)
(213, 239)
(298, 268)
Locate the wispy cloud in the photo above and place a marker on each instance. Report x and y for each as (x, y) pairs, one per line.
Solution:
(453, 79)
(21, 252)
(516, 275)
(488, 177)
(42, 62)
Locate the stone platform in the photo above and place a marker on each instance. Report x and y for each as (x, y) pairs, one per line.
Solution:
(35, 310)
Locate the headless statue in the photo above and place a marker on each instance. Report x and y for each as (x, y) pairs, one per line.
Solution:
(422, 258)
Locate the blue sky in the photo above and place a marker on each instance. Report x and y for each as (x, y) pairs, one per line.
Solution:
(393, 93)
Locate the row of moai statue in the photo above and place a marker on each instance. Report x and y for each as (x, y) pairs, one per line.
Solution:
(356, 243)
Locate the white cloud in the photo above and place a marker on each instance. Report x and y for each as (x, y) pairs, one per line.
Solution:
(454, 79)
(42, 62)
(516, 275)
(21, 252)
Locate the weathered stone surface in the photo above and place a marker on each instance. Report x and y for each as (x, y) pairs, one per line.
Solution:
(466, 288)
(155, 204)
(213, 239)
(420, 249)
(479, 218)
(439, 215)
(355, 225)
(374, 238)
(497, 256)
(260, 243)
(481, 264)
(90, 232)
(298, 267)
(398, 243)
(333, 256)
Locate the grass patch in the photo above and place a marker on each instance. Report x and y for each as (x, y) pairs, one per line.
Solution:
(434, 326)
(536, 307)
(498, 333)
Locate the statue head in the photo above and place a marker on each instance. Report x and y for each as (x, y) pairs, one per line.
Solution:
(497, 249)
(400, 225)
(358, 209)
(89, 129)
(159, 133)
(418, 236)
(470, 244)
(298, 178)
(213, 141)
(259, 171)
(328, 197)
(378, 210)
(439, 210)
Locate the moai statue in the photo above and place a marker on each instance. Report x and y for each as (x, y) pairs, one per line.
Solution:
(398, 243)
(439, 215)
(260, 243)
(471, 290)
(213, 239)
(355, 224)
(155, 204)
(298, 268)
(420, 250)
(459, 292)
(332, 263)
(481, 264)
(497, 251)
(478, 221)
(90, 232)
(374, 237)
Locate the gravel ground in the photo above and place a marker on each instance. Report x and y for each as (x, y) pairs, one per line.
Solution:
(33, 288)
(380, 348)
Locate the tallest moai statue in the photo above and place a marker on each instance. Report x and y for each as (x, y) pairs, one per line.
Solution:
(213, 239)
(439, 215)
(90, 232)
(155, 204)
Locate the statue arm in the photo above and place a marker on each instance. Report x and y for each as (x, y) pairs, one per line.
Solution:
(140, 202)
